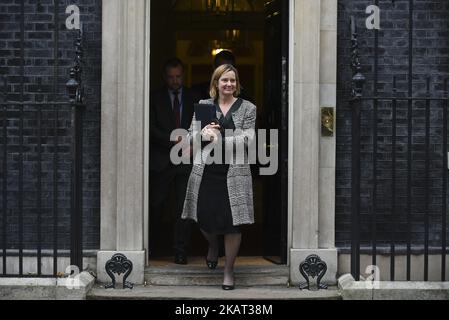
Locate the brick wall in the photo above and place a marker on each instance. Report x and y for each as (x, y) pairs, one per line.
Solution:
(430, 58)
(39, 63)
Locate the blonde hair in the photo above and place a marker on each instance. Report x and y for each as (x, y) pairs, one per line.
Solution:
(221, 70)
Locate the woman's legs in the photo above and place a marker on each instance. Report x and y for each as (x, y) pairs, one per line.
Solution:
(232, 246)
(212, 253)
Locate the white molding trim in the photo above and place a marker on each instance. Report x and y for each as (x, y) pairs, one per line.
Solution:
(291, 101)
(146, 155)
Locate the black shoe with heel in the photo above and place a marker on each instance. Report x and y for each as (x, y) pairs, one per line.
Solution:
(180, 259)
(211, 264)
(227, 287)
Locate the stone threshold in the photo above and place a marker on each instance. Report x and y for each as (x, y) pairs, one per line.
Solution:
(249, 271)
(211, 293)
(190, 275)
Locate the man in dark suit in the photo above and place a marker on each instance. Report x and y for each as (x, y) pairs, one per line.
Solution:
(171, 108)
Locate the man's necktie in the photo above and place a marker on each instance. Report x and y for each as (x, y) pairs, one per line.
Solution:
(177, 109)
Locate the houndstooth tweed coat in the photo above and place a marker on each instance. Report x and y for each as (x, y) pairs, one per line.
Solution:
(239, 178)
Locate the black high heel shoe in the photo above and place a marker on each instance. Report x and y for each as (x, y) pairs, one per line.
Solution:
(227, 287)
(211, 264)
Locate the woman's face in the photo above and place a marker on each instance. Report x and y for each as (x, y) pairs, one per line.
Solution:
(227, 84)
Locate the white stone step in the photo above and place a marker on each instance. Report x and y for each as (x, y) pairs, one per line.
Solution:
(211, 293)
(245, 276)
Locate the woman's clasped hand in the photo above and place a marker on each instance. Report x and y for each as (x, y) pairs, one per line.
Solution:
(210, 132)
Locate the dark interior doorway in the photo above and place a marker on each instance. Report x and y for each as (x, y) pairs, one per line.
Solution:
(257, 33)
(275, 199)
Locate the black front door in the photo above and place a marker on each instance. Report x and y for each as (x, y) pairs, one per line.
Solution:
(276, 104)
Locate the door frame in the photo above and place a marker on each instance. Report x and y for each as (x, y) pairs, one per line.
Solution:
(291, 56)
(125, 124)
(275, 242)
(291, 20)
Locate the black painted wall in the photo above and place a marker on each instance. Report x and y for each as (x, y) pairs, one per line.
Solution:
(430, 59)
(39, 62)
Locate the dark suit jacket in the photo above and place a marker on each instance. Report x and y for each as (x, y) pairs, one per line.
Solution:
(162, 123)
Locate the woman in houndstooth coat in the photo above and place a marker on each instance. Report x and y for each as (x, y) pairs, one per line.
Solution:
(219, 195)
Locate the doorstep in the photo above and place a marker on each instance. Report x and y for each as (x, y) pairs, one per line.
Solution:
(191, 275)
(211, 293)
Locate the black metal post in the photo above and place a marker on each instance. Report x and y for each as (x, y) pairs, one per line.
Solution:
(427, 185)
(55, 137)
(409, 140)
(355, 191)
(76, 255)
(39, 179)
(357, 86)
(444, 186)
(5, 175)
(22, 91)
(374, 124)
(393, 186)
(75, 89)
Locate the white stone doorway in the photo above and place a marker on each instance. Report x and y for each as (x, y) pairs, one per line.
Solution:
(258, 37)
(125, 124)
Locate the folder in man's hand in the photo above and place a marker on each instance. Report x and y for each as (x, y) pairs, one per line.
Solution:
(205, 113)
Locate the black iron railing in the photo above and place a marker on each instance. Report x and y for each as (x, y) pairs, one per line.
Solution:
(48, 134)
(422, 118)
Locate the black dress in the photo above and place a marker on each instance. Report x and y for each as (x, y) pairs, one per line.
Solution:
(213, 209)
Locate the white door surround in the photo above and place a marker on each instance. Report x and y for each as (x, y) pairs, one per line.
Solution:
(125, 128)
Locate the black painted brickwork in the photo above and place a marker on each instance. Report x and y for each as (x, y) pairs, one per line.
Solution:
(430, 58)
(39, 63)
